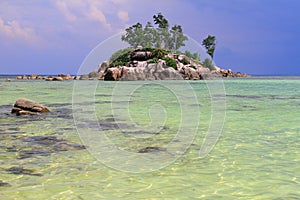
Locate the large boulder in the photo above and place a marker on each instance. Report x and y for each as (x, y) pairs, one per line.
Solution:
(25, 106)
(58, 78)
(49, 78)
(169, 74)
(84, 77)
(95, 75)
(65, 76)
(33, 76)
(181, 58)
(203, 70)
(189, 73)
(113, 74)
(103, 67)
(239, 74)
(141, 55)
(153, 71)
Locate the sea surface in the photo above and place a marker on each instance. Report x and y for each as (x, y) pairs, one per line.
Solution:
(142, 140)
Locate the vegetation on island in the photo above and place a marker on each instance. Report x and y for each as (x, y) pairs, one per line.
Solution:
(209, 64)
(210, 44)
(161, 36)
(160, 40)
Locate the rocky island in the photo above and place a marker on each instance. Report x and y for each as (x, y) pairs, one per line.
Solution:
(157, 64)
(154, 54)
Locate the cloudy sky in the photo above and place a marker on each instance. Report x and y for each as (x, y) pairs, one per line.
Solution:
(55, 36)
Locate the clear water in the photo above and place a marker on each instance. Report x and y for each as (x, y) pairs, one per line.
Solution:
(256, 157)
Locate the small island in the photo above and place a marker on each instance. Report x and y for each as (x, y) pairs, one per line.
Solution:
(157, 64)
(154, 53)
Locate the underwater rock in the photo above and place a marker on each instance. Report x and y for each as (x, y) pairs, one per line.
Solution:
(3, 184)
(22, 154)
(46, 145)
(22, 171)
(67, 146)
(41, 140)
(151, 149)
(25, 106)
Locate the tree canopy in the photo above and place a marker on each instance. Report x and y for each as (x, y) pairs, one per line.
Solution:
(210, 44)
(159, 37)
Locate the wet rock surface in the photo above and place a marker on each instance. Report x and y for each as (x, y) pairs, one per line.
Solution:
(17, 141)
(25, 106)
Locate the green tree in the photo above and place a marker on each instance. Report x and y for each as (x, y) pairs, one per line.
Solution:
(149, 35)
(134, 35)
(194, 56)
(163, 35)
(177, 37)
(209, 64)
(210, 44)
(161, 21)
(160, 37)
(120, 57)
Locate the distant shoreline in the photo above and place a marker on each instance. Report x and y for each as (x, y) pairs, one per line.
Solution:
(251, 75)
(13, 76)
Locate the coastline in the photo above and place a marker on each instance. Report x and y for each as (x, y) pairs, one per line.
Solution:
(255, 76)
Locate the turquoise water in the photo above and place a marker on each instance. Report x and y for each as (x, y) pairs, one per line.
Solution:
(256, 157)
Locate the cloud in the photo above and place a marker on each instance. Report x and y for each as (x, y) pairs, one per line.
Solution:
(14, 30)
(123, 15)
(84, 12)
(63, 8)
(96, 14)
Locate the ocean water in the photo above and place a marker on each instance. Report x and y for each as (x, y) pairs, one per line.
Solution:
(141, 140)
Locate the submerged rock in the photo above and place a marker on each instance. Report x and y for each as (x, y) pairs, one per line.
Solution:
(22, 171)
(3, 184)
(46, 145)
(22, 154)
(28, 107)
(151, 149)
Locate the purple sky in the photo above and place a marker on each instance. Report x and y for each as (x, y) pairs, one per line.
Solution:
(55, 36)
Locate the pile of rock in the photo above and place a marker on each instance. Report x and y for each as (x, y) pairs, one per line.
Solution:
(230, 73)
(143, 71)
(30, 77)
(139, 68)
(96, 75)
(60, 77)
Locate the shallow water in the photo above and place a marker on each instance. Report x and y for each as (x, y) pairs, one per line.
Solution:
(48, 157)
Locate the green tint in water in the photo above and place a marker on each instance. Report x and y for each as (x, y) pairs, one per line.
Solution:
(256, 157)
